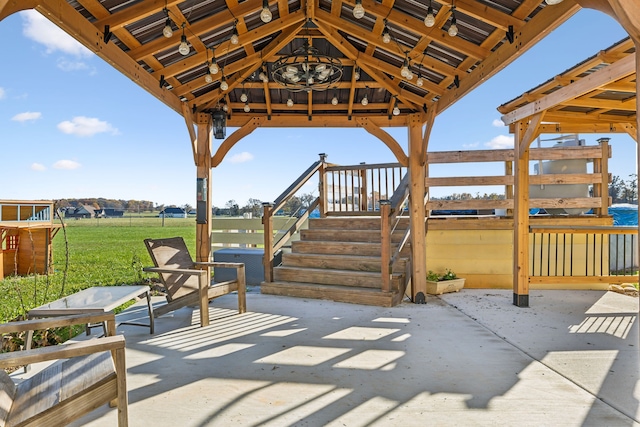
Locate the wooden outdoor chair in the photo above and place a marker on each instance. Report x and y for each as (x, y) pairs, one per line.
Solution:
(85, 375)
(188, 282)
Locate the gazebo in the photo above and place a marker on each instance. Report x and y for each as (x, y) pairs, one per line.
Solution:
(361, 63)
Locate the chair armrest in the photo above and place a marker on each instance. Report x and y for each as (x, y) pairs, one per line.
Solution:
(220, 264)
(173, 270)
(62, 351)
(53, 322)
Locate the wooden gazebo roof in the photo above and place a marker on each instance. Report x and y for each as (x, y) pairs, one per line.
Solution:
(129, 35)
(597, 95)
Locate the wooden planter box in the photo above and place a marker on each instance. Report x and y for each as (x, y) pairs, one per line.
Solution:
(444, 286)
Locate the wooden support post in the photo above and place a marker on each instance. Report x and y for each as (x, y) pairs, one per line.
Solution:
(521, 219)
(203, 186)
(322, 186)
(267, 260)
(364, 200)
(602, 166)
(417, 212)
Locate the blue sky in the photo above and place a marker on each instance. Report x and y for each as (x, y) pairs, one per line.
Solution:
(71, 126)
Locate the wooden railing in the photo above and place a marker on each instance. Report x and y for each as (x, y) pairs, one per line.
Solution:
(390, 212)
(22, 211)
(568, 255)
(358, 190)
(599, 179)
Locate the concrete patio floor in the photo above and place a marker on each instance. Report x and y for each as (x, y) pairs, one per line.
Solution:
(470, 358)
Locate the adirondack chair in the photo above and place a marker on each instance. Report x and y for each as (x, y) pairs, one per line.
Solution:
(188, 282)
(84, 376)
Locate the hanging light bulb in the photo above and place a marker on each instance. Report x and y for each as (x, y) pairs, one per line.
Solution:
(365, 100)
(358, 10)
(225, 107)
(430, 19)
(184, 47)
(404, 71)
(266, 15)
(208, 77)
(386, 36)
(244, 97)
(334, 100)
(246, 107)
(167, 31)
(223, 84)
(263, 76)
(396, 109)
(356, 73)
(552, 2)
(453, 28)
(213, 68)
(289, 102)
(234, 36)
(420, 81)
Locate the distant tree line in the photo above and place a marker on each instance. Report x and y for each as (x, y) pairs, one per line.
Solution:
(622, 191)
(102, 203)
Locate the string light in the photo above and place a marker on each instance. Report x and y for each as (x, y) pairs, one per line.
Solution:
(223, 84)
(234, 36)
(430, 19)
(246, 107)
(334, 100)
(453, 28)
(266, 15)
(289, 102)
(396, 109)
(386, 36)
(207, 77)
(358, 10)
(184, 47)
(365, 100)
(167, 31)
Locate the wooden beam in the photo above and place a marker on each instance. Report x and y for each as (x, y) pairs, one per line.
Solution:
(429, 119)
(234, 138)
(319, 121)
(9, 7)
(188, 118)
(532, 131)
(613, 72)
(537, 28)
(387, 139)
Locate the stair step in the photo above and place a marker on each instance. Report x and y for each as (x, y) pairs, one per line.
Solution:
(348, 294)
(339, 262)
(365, 279)
(369, 236)
(352, 223)
(342, 248)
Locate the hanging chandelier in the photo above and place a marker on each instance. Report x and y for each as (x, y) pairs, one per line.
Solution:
(306, 69)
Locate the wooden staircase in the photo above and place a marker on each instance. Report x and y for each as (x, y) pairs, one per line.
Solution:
(339, 259)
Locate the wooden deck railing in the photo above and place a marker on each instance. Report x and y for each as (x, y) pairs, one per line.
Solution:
(599, 179)
(567, 255)
(22, 211)
(390, 213)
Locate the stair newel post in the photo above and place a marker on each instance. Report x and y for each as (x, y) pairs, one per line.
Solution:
(364, 202)
(322, 186)
(385, 241)
(267, 260)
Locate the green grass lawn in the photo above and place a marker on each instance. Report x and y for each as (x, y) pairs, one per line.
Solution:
(102, 252)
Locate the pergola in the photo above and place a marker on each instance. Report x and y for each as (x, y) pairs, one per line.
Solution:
(408, 71)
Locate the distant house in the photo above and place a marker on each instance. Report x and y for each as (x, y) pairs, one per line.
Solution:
(109, 213)
(173, 213)
(85, 211)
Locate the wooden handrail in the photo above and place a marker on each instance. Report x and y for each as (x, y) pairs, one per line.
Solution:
(389, 212)
(297, 184)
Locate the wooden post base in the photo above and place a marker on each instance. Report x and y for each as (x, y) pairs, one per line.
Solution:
(521, 300)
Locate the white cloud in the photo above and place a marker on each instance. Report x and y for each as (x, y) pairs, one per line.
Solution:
(26, 116)
(38, 167)
(66, 65)
(66, 165)
(41, 30)
(498, 123)
(241, 157)
(2, 93)
(86, 126)
(500, 142)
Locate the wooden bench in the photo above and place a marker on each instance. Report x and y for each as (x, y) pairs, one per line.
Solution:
(84, 376)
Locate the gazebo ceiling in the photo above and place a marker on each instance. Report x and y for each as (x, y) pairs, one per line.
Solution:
(129, 35)
(597, 95)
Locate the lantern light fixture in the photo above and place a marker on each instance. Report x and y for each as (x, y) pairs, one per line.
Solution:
(219, 123)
